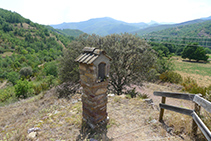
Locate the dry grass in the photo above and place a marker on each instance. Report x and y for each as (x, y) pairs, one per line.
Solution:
(60, 119)
(6, 54)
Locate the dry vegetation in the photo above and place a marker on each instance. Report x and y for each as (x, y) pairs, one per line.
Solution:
(198, 71)
(130, 119)
(60, 119)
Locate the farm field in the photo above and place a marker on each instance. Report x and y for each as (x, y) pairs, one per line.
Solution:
(200, 72)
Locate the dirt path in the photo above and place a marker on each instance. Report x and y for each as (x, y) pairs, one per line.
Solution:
(3, 84)
(133, 120)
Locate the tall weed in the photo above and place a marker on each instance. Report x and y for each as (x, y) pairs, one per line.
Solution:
(170, 76)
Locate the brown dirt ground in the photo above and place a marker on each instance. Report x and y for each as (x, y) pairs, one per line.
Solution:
(60, 119)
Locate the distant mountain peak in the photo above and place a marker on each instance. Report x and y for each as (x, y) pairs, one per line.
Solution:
(152, 22)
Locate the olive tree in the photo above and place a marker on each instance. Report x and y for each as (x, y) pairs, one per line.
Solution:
(132, 58)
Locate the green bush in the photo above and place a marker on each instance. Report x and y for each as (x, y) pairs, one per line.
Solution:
(143, 96)
(171, 77)
(51, 69)
(25, 72)
(13, 77)
(132, 93)
(37, 89)
(23, 88)
(6, 93)
(44, 86)
(191, 86)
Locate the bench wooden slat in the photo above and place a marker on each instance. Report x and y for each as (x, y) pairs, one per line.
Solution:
(175, 95)
(202, 126)
(203, 102)
(176, 109)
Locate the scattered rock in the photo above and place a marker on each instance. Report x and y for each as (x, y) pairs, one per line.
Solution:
(93, 139)
(111, 95)
(74, 101)
(33, 130)
(169, 129)
(32, 135)
(149, 101)
(153, 121)
(56, 112)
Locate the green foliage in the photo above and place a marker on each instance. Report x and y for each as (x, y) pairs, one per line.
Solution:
(207, 50)
(184, 33)
(6, 93)
(171, 77)
(161, 49)
(193, 51)
(51, 69)
(143, 96)
(37, 89)
(132, 93)
(43, 85)
(13, 77)
(132, 58)
(26, 44)
(23, 89)
(191, 86)
(163, 64)
(25, 72)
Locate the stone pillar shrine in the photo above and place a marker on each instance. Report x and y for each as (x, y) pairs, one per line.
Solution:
(94, 72)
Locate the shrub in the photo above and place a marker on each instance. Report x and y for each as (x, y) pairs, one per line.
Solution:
(23, 88)
(25, 72)
(67, 89)
(49, 80)
(171, 77)
(51, 69)
(6, 93)
(191, 86)
(132, 93)
(143, 96)
(13, 77)
(37, 89)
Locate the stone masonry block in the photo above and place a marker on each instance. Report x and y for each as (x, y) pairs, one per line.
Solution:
(82, 67)
(101, 91)
(91, 76)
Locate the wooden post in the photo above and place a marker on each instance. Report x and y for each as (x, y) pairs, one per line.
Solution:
(161, 109)
(197, 109)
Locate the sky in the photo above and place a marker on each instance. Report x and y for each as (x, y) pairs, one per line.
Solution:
(49, 12)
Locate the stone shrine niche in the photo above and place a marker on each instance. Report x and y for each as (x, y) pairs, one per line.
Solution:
(101, 71)
(94, 67)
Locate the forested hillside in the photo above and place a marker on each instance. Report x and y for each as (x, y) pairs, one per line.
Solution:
(72, 33)
(24, 43)
(174, 40)
(28, 51)
(157, 28)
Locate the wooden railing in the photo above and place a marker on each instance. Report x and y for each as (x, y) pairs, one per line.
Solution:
(199, 102)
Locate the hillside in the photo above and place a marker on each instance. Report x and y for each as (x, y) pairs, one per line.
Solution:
(26, 44)
(158, 28)
(105, 26)
(60, 119)
(198, 29)
(102, 26)
(66, 32)
(183, 34)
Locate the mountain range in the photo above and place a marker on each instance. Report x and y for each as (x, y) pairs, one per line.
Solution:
(105, 26)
